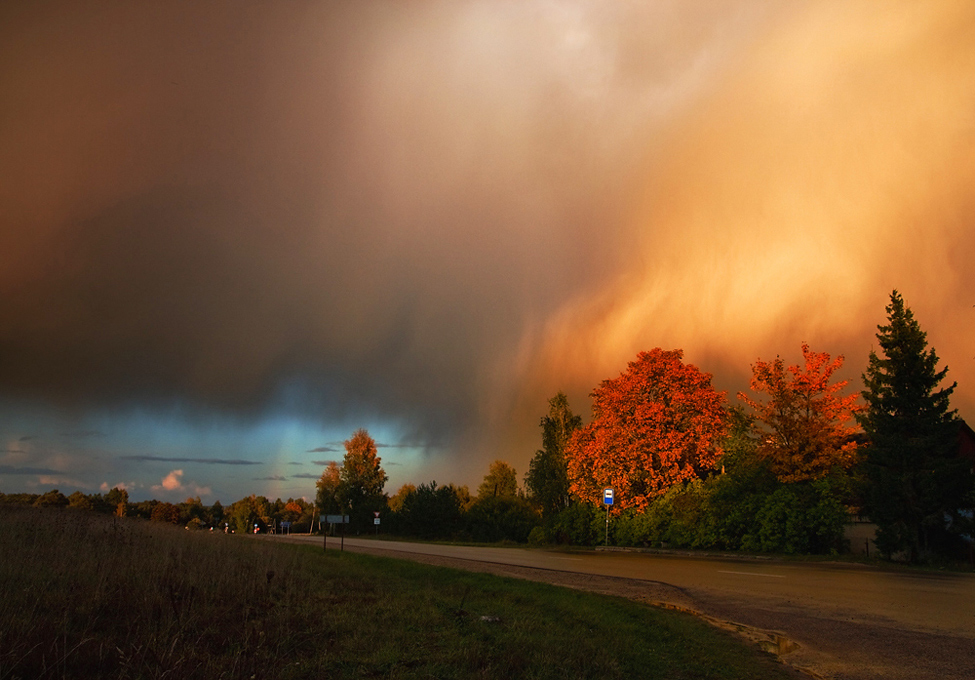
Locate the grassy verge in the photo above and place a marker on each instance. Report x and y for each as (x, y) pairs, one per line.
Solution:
(83, 596)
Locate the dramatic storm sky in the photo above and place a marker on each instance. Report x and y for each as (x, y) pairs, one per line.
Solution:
(231, 233)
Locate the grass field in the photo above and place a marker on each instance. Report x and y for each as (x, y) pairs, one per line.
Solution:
(87, 596)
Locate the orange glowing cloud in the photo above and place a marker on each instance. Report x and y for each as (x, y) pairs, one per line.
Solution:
(835, 164)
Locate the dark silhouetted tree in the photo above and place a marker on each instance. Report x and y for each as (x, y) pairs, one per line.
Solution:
(547, 479)
(81, 501)
(52, 497)
(165, 512)
(215, 514)
(914, 478)
(117, 501)
(501, 518)
(429, 511)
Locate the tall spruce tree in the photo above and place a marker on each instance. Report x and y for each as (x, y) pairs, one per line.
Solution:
(915, 480)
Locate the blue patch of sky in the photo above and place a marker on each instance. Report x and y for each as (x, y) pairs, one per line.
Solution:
(128, 447)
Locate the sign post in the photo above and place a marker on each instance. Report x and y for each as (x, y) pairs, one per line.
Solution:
(376, 521)
(607, 501)
(333, 519)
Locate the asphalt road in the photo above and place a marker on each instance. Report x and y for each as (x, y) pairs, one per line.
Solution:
(851, 621)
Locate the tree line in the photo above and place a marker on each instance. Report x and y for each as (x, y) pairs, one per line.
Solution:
(781, 470)
(242, 516)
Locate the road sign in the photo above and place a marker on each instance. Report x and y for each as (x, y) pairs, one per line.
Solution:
(285, 525)
(376, 521)
(376, 515)
(337, 519)
(607, 496)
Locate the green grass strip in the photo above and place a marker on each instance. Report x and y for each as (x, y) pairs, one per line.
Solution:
(83, 596)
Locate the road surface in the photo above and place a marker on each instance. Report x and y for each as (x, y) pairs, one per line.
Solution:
(850, 622)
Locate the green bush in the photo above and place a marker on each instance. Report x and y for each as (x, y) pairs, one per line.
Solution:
(430, 512)
(576, 525)
(799, 518)
(501, 518)
(750, 512)
(537, 536)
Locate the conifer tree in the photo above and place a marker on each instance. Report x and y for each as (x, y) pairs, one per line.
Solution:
(914, 478)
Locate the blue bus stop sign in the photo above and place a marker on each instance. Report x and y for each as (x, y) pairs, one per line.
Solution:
(607, 496)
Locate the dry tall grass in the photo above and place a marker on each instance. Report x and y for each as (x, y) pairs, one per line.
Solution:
(84, 595)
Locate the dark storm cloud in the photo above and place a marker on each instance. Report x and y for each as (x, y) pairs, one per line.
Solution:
(11, 470)
(334, 210)
(436, 214)
(204, 461)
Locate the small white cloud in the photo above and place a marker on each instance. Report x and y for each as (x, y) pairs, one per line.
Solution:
(173, 482)
(170, 482)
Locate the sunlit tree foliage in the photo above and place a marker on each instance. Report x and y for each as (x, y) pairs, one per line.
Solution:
(501, 480)
(804, 426)
(362, 479)
(658, 424)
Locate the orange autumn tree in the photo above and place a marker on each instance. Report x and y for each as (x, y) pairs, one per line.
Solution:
(803, 429)
(656, 425)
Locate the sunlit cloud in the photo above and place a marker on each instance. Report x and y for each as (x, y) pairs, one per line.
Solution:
(105, 487)
(173, 482)
(427, 222)
(797, 195)
(60, 480)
